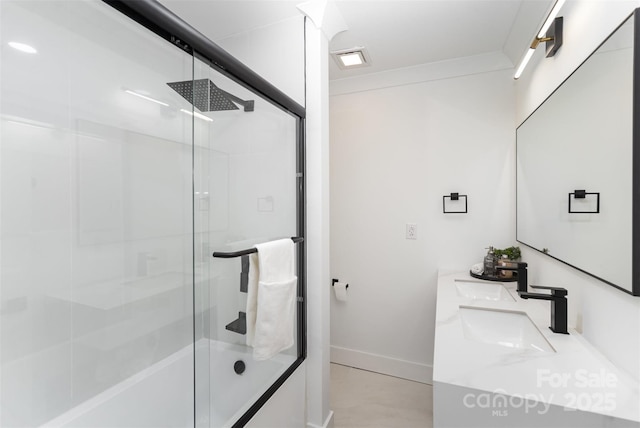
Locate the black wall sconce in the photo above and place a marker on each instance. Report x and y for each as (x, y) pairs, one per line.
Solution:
(582, 194)
(453, 197)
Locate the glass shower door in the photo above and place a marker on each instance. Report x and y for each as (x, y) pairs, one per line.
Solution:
(97, 243)
(250, 196)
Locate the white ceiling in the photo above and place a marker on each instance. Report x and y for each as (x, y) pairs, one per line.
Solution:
(396, 33)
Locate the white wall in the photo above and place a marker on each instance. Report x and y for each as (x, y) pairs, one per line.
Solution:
(274, 51)
(608, 318)
(395, 151)
(318, 272)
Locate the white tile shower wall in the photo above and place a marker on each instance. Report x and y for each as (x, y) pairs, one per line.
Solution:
(608, 318)
(395, 152)
(256, 153)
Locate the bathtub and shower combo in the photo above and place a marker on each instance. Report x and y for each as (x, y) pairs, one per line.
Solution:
(131, 150)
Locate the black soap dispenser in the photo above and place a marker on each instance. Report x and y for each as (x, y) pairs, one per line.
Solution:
(490, 263)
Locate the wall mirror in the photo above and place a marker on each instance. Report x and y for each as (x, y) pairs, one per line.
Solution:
(577, 170)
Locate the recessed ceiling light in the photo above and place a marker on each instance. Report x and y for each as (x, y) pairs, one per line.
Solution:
(23, 47)
(351, 58)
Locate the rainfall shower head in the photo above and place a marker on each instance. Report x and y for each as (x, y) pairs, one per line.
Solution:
(206, 96)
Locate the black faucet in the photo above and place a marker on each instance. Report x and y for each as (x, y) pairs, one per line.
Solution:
(521, 270)
(558, 306)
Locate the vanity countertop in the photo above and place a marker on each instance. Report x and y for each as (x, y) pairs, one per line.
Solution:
(575, 376)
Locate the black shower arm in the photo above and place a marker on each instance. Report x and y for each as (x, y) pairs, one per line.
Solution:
(248, 105)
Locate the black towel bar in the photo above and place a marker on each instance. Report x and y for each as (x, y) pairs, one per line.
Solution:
(230, 255)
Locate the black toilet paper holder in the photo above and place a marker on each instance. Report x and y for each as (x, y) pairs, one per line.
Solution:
(333, 282)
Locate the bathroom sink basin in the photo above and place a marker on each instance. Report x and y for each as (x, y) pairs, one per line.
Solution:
(505, 328)
(482, 290)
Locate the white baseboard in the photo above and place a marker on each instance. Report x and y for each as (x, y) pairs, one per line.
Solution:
(380, 364)
(327, 424)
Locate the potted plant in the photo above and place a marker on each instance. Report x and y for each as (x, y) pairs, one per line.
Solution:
(512, 254)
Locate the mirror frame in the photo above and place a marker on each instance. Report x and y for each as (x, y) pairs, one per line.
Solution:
(635, 141)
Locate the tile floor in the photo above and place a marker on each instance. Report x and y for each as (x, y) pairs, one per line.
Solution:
(365, 399)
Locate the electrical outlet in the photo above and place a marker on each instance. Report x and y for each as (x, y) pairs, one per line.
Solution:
(412, 231)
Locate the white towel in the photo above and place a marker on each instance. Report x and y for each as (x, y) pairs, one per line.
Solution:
(252, 297)
(271, 299)
(478, 268)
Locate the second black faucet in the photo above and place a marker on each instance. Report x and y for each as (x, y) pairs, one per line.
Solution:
(558, 296)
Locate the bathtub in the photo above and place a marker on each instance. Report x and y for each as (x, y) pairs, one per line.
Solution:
(162, 395)
(231, 395)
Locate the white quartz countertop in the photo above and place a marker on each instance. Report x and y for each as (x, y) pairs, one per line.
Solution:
(575, 376)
